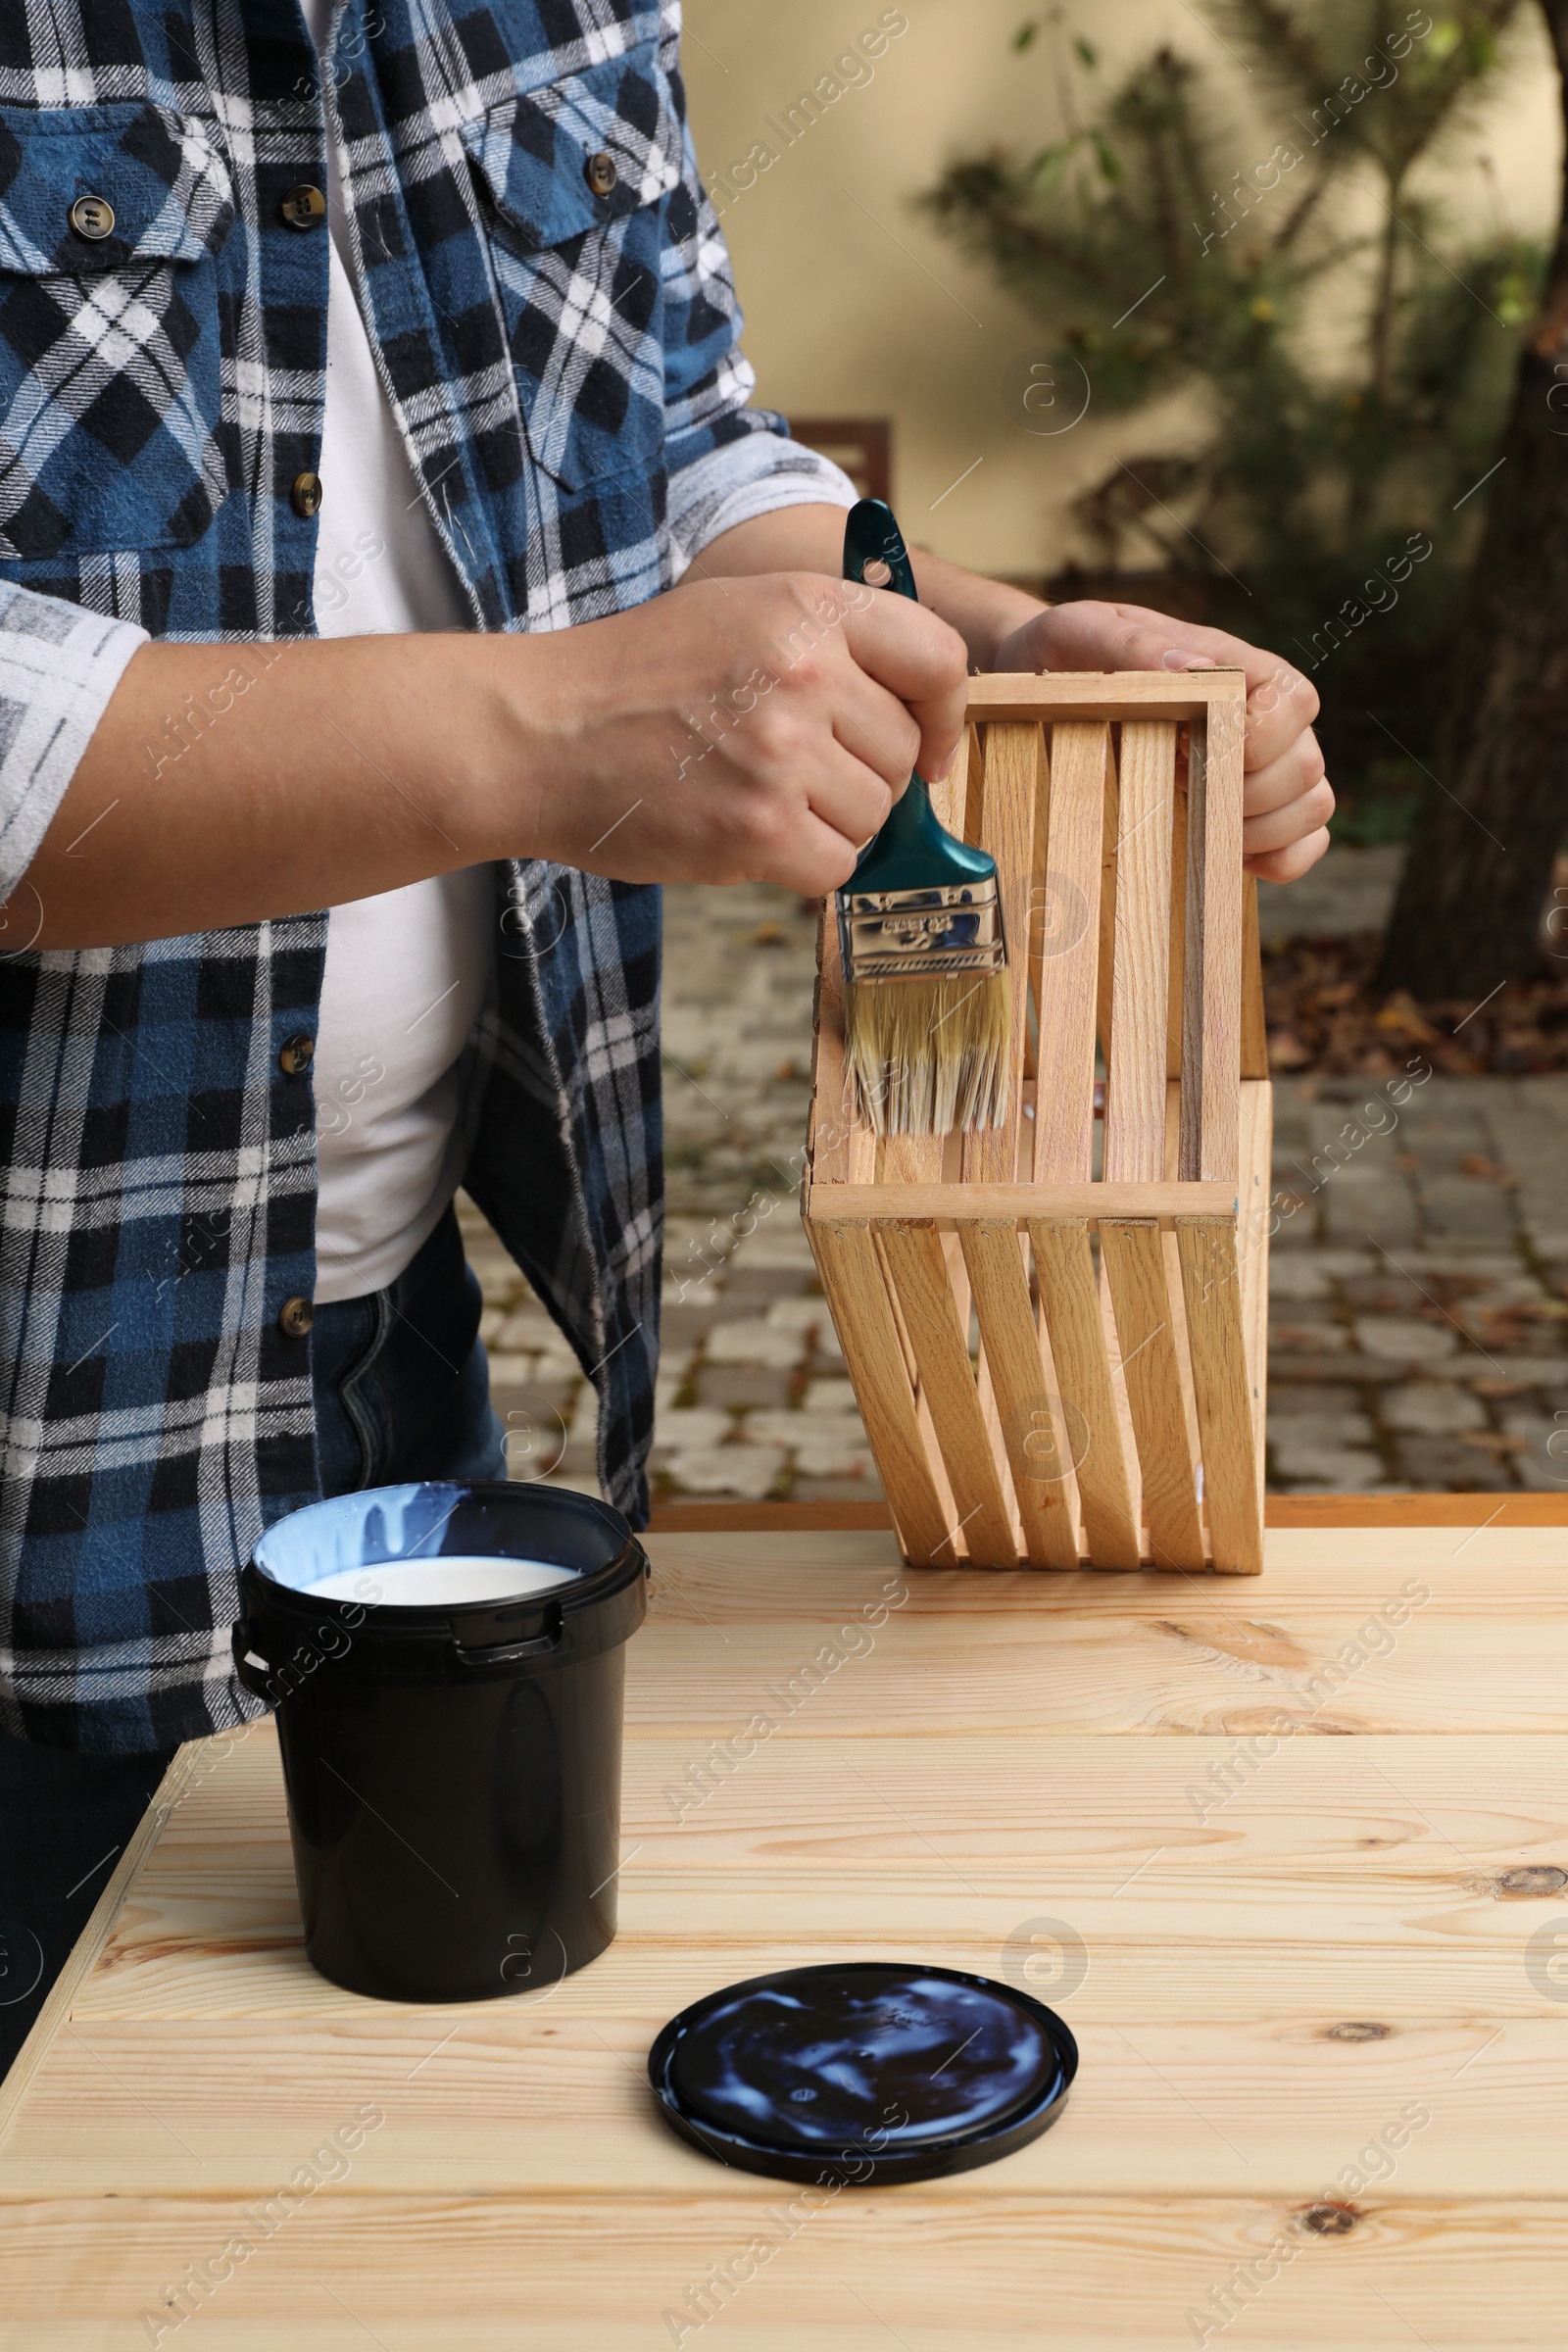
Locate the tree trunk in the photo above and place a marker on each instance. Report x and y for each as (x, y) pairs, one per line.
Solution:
(1467, 914)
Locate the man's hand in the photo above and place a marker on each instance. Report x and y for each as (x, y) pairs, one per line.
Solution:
(742, 730)
(1288, 798)
(750, 729)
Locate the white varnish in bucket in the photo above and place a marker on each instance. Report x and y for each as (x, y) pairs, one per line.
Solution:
(440, 1583)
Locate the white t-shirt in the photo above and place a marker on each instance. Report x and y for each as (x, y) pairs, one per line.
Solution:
(406, 972)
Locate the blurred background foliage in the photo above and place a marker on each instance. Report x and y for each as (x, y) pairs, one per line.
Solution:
(1323, 354)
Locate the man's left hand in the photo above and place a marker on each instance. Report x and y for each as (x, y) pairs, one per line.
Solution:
(1288, 798)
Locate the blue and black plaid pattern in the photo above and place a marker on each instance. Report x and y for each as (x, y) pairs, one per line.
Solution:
(109, 380)
(554, 355)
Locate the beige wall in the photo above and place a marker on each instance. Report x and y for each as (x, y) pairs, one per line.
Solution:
(854, 306)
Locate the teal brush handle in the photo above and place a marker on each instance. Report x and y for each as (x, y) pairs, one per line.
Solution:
(913, 850)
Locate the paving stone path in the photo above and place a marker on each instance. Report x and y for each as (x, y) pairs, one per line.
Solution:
(1419, 1276)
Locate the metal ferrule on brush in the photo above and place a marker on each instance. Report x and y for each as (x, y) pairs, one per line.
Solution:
(921, 934)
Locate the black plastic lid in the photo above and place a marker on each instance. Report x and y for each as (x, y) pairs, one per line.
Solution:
(863, 2071)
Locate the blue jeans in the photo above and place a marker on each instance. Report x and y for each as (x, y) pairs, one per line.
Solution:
(402, 1392)
(402, 1384)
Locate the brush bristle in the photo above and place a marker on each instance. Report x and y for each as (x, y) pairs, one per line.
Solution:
(928, 1055)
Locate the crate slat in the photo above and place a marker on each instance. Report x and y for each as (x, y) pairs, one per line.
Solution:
(1134, 1259)
(1104, 694)
(921, 1277)
(994, 1255)
(1190, 1070)
(1178, 930)
(1173, 1279)
(1135, 1097)
(1069, 1298)
(1105, 968)
(1222, 942)
(1010, 795)
(1118, 1391)
(1252, 1239)
(1254, 1025)
(857, 1294)
(952, 1205)
(1212, 1292)
(1064, 1113)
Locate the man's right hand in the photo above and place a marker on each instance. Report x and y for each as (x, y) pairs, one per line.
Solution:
(742, 730)
(745, 729)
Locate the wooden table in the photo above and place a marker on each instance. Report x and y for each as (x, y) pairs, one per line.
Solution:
(1324, 2030)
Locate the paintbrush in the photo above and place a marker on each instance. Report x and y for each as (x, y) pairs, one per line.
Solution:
(927, 1009)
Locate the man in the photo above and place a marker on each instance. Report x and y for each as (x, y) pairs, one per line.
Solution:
(382, 530)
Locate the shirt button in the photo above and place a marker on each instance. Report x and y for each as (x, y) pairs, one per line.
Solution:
(304, 206)
(305, 497)
(92, 217)
(296, 1317)
(601, 173)
(296, 1055)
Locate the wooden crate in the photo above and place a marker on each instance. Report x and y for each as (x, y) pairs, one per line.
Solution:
(1113, 1412)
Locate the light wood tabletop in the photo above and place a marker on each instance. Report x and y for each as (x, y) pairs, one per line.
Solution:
(1289, 1853)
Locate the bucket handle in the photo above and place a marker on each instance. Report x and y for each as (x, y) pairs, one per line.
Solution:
(505, 1653)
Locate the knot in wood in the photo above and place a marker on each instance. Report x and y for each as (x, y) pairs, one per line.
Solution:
(1328, 2221)
(1537, 1878)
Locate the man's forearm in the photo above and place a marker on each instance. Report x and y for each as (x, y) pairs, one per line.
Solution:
(229, 783)
(722, 733)
(811, 538)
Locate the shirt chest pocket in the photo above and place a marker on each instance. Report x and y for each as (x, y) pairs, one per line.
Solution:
(575, 179)
(111, 219)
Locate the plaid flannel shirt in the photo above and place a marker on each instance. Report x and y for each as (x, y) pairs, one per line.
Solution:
(563, 366)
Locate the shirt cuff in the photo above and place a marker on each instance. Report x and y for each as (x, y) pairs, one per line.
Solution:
(59, 665)
(741, 480)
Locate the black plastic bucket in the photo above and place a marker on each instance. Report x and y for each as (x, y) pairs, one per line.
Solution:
(452, 1756)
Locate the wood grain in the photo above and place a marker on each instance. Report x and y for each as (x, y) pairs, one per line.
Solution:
(1134, 929)
(510, 2109)
(1190, 1148)
(1222, 940)
(1253, 1195)
(1268, 1948)
(961, 2275)
(1106, 964)
(1254, 1024)
(1485, 1567)
(1135, 1097)
(853, 1283)
(953, 1205)
(1135, 1266)
(1065, 1116)
(1014, 763)
(1104, 694)
(921, 1277)
(1173, 1277)
(1178, 937)
(1124, 1411)
(1212, 1295)
(1035, 945)
(1069, 1301)
(1024, 1409)
(1384, 1509)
